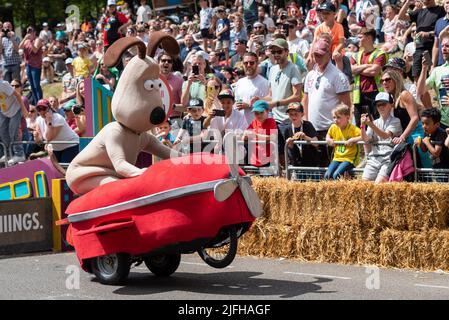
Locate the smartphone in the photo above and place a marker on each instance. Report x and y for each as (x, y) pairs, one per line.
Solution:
(219, 113)
(195, 70)
(179, 108)
(426, 54)
(365, 109)
(285, 28)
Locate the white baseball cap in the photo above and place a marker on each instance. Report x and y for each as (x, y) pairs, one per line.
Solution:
(68, 61)
(112, 3)
(46, 59)
(45, 24)
(384, 97)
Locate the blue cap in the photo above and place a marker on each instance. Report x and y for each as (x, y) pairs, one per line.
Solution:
(69, 105)
(260, 106)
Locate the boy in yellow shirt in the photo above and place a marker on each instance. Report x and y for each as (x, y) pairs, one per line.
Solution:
(346, 156)
(82, 66)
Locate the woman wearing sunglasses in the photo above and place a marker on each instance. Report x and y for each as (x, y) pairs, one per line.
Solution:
(407, 110)
(51, 126)
(11, 111)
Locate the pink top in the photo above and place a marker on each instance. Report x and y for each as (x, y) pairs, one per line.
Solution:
(32, 59)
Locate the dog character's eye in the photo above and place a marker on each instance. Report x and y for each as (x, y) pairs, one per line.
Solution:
(150, 85)
(158, 84)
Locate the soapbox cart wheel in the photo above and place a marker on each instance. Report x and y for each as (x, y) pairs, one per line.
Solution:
(111, 269)
(163, 265)
(221, 252)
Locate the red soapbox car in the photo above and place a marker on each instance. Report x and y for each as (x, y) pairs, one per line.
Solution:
(171, 209)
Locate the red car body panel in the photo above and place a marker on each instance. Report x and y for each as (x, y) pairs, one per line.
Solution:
(141, 230)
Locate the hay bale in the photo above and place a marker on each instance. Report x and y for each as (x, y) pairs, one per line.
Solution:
(317, 240)
(428, 250)
(399, 206)
(352, 222)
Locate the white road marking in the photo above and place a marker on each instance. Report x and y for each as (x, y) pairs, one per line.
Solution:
(430, 286)
(318, 275)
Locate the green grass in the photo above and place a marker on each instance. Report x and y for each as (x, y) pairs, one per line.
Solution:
(53, 89)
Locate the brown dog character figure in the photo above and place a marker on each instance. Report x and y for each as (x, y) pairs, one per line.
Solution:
(137, 107)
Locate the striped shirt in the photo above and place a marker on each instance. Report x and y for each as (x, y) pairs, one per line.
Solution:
(10, 56)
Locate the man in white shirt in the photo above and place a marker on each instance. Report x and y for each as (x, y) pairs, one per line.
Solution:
(296, 44)
(324, 88)
(250, 88)
(143, 12)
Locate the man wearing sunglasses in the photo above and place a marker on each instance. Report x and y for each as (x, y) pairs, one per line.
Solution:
(251, 87)
(285, 82)
(240, 50)
(295, 44)
(324, 88)
(366, 67)
(175, 82)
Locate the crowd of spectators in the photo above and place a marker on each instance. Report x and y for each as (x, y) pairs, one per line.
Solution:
(331, 70)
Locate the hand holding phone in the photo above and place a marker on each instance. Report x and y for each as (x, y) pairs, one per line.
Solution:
(219, 112)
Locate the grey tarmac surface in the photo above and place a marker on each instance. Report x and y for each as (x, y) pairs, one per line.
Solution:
(50, 277)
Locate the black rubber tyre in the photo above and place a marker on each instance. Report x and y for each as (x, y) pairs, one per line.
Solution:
(112, 269)
(163, 265)
(218, 259)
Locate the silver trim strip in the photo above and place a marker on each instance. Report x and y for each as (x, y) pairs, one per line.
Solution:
(146, 200)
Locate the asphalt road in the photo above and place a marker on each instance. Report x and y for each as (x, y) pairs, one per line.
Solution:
(54, 277)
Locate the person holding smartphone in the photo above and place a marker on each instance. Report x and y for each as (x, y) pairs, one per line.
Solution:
(227, 118)
(195, 85)
(438, 80)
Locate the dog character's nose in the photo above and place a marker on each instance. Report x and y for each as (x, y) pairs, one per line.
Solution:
(157, 116)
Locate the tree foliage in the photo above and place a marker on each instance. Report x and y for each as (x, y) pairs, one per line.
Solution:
(35, 12)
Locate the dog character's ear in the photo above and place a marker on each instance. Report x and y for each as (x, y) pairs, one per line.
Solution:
(115, 51)
(167, 42)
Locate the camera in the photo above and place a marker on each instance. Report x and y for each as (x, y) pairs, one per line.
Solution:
(5, 32)
(77, 109)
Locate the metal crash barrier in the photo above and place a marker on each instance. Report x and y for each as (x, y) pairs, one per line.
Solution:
(317, 173)
(64, 165)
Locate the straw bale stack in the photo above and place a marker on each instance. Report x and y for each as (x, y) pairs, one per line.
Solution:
(353, 222)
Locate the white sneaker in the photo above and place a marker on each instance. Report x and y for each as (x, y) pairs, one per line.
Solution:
(15, 160)
(362, 163)
(3, 159)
